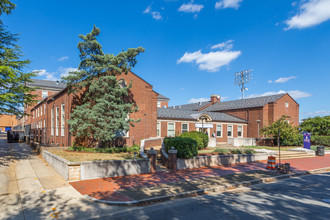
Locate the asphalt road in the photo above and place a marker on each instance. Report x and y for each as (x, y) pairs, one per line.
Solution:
(296, 198)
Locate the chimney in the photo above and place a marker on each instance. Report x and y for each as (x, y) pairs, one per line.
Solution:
(215, 99)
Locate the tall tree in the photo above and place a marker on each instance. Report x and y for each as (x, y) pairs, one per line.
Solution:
(14, 93)
(101, 104)
(288, 134)
(317, 125)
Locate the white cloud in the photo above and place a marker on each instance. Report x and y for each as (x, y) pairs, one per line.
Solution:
(65, 71)
(227, 45)
(224, 98)
(63, 58)
(284, 79)
(54, 76)
(269, 81)
(228, 4)
(196, 100)
(296, 94)
(46, 75)
(211, 61)
(316, 113)
(155, 14)
(311, 13)
(191, 8)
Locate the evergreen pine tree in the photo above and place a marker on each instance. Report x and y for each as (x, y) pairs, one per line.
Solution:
(101, 105)
(14, 93)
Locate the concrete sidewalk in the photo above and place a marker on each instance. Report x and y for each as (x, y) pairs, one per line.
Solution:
(31, 189)
(136, 189)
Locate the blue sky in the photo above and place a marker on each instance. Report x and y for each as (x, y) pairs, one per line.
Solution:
(192, 48)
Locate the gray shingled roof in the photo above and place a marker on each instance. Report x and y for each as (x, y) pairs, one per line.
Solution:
(162, 97)
(169, 113)
(244, 103)
(229, 105)
(190, 107)
(46, 83)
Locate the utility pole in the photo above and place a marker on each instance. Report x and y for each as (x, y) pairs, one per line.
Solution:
(241, 78)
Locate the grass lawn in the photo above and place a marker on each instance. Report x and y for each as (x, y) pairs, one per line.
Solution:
(74, 156)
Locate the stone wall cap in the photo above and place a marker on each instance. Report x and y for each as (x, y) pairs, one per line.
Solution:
(172, 151)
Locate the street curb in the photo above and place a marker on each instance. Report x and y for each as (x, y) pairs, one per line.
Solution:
(208, 190)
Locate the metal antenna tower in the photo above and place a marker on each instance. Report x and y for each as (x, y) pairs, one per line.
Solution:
(241, 78)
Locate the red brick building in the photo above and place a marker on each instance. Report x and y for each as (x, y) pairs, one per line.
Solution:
(254, 112)
(223, 120)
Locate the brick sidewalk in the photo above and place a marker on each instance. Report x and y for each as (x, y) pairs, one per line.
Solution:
(106, 188)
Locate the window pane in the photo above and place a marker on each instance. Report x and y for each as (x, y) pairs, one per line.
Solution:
(229, 133)
(219, 130)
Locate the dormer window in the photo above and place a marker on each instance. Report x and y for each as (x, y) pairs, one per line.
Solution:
(286, 104)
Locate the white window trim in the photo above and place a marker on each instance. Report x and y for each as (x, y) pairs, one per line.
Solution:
(160, 128)
(57, 121)
(182, 127)
(159, 104)
(44, 109)
(52, 122)
(62, 120)
(242, 131)
(216, 130)
(232, 129)
(173, 128)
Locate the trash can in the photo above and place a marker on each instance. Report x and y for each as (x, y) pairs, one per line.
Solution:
(320, 151)
(10, 137)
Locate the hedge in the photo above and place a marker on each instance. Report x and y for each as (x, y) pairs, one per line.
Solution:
(320, 140)
(201, 138)
(187, 147)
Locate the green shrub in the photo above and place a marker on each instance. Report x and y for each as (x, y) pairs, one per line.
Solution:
(320, 140)
(236, 151)
(249, 151)
(221, 151)
(187, 147)
(201, 138)
(134, 148)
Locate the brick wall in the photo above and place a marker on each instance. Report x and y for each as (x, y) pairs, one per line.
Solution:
(7, 121)
(141, 93)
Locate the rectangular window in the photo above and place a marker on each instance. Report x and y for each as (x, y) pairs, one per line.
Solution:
(40, 124)
(62, 120)
(219, 130)
(230, 131)
(33, 114)
(184, 128)
(44, 123)
(158, 129)
(239, 131)
(56, 121)
(44, 108)
(159, 104)
(44, 94)
(52, 122)
(37, 112)
(40, 110)
(170, 129)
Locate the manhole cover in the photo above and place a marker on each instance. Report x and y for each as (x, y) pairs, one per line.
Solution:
(326, 200)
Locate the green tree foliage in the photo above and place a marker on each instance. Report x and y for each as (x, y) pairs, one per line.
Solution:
(14, 93)
(289, 135)
(316, 125)
(201, 138)
(187, 147)
(101, 105)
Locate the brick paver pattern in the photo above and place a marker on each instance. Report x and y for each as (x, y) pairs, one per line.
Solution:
(105, 188)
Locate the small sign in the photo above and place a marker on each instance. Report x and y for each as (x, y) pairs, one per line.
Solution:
(307, 140)
(205, 125)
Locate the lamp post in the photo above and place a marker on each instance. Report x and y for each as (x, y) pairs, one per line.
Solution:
(258, 121)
